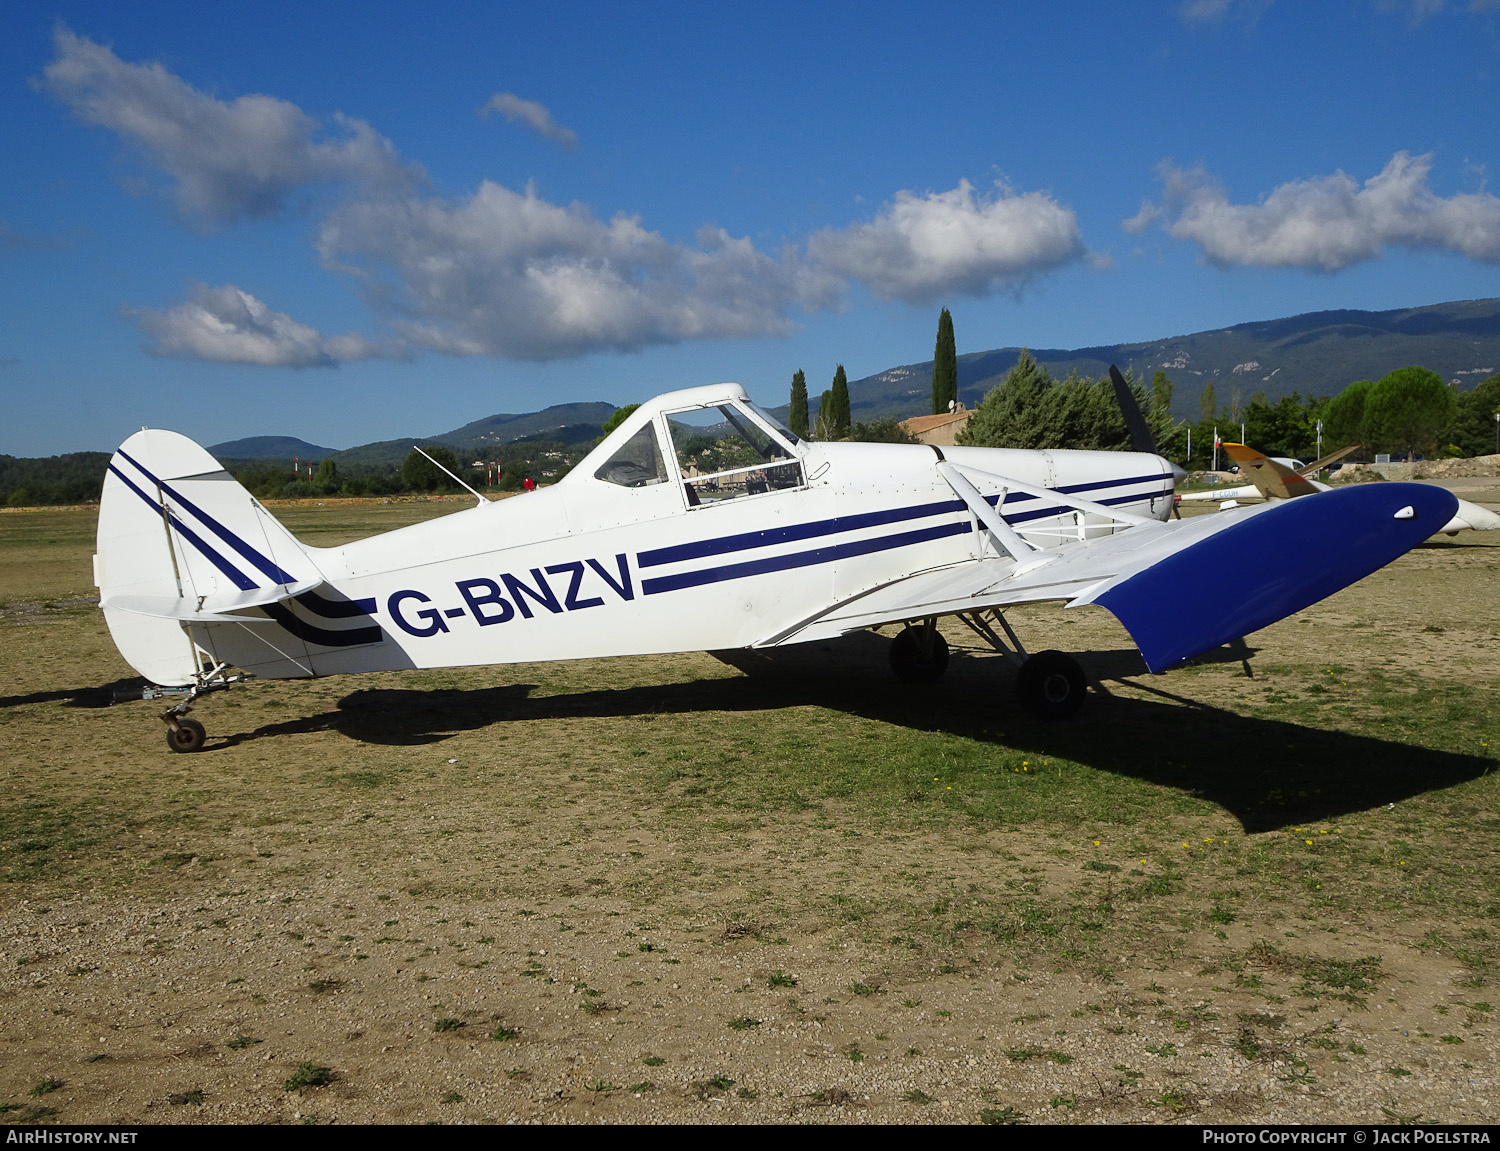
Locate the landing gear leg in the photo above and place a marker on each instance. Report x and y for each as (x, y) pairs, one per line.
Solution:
(919, 654)
(1050, 684)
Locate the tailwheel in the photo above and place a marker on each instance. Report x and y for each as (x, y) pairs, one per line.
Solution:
(1051, 685)
(188, 735)
(919, 654)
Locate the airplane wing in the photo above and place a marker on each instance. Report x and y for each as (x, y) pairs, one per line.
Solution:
(1180, 588)
(1331, 458)
(1219, 495)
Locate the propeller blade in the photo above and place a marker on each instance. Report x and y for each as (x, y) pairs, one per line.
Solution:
(1135, 422)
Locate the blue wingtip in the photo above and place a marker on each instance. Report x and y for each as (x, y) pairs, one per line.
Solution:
(1270, 565)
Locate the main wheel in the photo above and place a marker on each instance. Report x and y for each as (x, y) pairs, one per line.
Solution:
(188, 735)
(1051, 685)
(919, 659)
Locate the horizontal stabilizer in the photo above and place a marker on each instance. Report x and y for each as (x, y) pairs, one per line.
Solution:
(1265, 567)
(224, 608)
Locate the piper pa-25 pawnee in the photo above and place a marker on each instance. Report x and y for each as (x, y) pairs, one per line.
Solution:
(701, 523)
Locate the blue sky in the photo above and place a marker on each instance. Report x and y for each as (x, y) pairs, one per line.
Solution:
(351, 222)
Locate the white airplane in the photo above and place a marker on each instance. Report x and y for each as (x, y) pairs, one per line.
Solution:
(702, 523)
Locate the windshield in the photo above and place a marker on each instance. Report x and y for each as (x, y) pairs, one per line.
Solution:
(780, 428)
(724, 453)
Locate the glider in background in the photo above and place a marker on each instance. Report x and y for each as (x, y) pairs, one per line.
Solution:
(1275, 479)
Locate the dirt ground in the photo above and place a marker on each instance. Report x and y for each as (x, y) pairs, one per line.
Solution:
(534, 894)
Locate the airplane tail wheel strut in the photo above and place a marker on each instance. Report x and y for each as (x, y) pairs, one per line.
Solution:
(183, 734)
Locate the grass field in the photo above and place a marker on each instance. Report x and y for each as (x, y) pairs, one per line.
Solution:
(761, 887)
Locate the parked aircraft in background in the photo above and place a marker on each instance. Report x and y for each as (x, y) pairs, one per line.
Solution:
(703, 523)
(1273, 479)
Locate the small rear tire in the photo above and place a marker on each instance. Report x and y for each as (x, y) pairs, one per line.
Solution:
(916, 658)
(1051, 685)
(188, 735)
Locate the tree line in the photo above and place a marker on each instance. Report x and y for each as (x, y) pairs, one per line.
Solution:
(1408, 411)
(78, 478)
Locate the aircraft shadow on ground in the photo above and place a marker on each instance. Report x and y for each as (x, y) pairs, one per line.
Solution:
(1267, 773)
(88, 697)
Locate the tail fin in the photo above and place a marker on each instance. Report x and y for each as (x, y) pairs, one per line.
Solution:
(1274, 481)
(175, 526)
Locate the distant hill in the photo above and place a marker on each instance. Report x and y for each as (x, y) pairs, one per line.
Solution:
(565, 423)
(559, 422)
(269, 448)
(1316, 352)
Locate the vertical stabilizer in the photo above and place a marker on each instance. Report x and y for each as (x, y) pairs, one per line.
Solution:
(174, 523)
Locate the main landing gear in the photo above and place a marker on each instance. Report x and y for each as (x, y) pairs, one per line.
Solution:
(1049, 684)
(919, 653)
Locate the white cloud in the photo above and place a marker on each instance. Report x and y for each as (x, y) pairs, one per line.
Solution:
(228, 325)
(1330, 222)
(506, 273)
(496, 273)
(246, 157)
(1220, 11)
(1142, 219)
(923, 248)
(509, 274)
(514, 108)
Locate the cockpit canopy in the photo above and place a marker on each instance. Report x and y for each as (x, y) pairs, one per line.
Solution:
(712, 440)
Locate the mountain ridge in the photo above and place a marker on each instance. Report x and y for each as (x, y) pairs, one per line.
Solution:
(1316, 353)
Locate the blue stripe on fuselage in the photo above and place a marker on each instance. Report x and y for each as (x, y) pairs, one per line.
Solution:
(787, 562)
(747, 541)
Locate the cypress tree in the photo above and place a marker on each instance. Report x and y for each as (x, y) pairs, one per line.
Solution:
(797, 418)
(841, 414)
(944, 367)
(824, 428)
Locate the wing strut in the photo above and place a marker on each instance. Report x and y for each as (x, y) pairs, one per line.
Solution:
(1065, 498)
(1005, 535)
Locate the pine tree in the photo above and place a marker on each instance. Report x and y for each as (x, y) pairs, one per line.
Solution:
(797, 417)
(1473, 430)
(841, 413)
(1021, 411)
(944, 367)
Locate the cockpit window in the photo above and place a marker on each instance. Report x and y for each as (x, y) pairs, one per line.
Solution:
(781, 429)
(637, 464)
(724, 453)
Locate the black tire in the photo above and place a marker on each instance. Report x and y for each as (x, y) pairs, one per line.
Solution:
(1051, 685)
(188, 735)
(916, 662)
